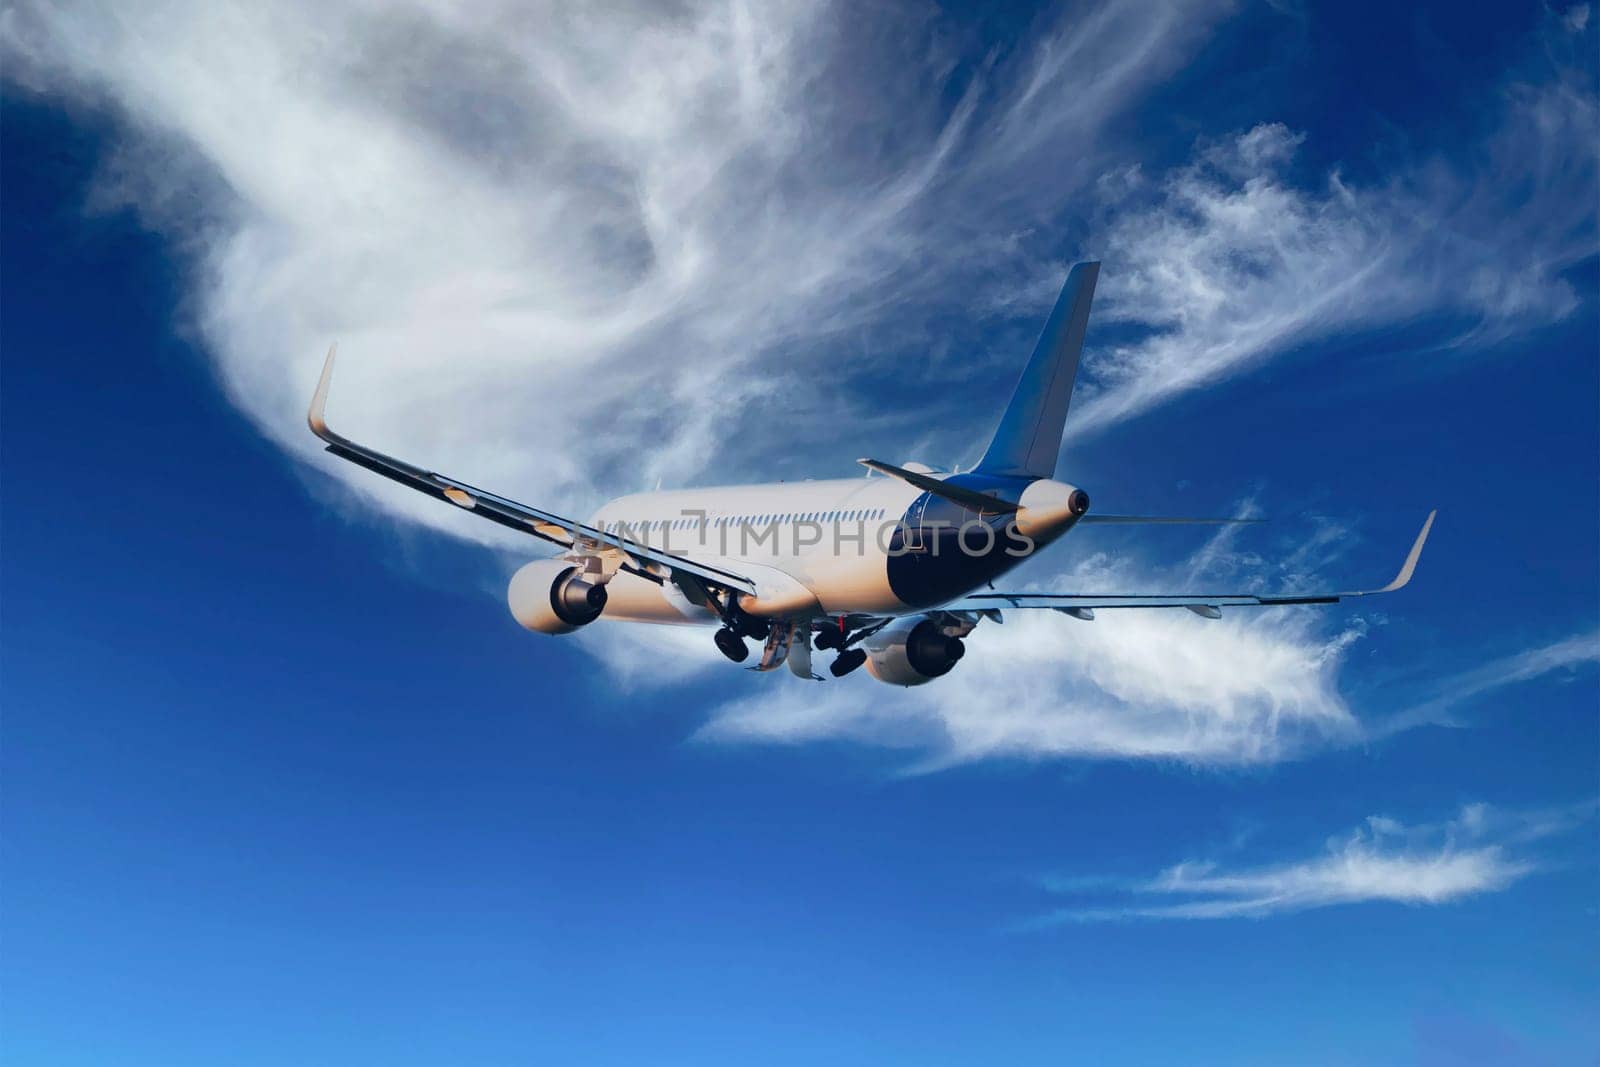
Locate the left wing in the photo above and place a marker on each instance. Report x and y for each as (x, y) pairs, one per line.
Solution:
(1083, 605)
(644, 560)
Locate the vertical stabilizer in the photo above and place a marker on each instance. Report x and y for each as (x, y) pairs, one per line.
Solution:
(1029, 436)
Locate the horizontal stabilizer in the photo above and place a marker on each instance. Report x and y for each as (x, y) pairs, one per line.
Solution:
(969, 498)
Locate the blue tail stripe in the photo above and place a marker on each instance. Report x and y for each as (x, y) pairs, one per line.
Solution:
(1029, 436)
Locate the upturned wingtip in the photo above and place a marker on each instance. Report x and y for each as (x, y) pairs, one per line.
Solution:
(1409, 567)
(319, 399)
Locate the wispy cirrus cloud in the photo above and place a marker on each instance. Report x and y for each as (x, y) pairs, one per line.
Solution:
(1250, 688)
(1231, 259)
(1255, 687)
(1562, 658)
(1481, 850)
(519, 220)
(1569, 652)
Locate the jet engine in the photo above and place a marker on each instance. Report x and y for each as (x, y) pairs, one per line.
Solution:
(912, 652)
(550, 596)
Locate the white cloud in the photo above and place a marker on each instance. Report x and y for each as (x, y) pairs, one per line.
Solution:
(1482, 850)
(1229, 260)
(1255, 687)
(1252, 687)
(1573, 651)
(521, 219)
(1258, 686)
(1559, 657)
(569, 251)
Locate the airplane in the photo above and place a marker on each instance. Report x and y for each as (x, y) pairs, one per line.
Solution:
(889, 572)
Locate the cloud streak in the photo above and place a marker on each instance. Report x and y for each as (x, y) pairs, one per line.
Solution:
(1562, 658)
(521, 219)
(1228, 261)
(1481, 850)
(1250, 688)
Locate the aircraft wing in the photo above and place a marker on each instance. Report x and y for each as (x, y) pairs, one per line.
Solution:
(1083, 605)
(644, 560)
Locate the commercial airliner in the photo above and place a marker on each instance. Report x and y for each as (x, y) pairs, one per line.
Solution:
(890, 571)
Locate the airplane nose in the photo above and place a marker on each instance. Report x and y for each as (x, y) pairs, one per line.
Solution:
(1048, 508)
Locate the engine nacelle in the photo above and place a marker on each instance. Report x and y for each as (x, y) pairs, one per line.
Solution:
(912, 652)
(550, 596)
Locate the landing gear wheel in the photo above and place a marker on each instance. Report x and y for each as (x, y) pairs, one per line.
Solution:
(827, 638)
(732, 645)
(847, 661)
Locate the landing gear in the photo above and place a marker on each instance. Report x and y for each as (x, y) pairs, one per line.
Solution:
(827, 638)
(736, 626)
(846, 661)
(732, 645)
(750, 626)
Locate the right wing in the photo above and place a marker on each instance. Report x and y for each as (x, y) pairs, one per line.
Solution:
(1083, 605)
(644, 560)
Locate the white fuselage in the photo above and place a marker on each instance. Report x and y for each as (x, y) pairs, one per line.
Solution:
(874, 546)
(812, 548)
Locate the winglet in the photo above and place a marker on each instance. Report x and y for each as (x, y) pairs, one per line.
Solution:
(319, 399)
(1410, 565)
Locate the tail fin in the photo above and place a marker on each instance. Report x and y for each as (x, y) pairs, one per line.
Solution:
(1029, 435)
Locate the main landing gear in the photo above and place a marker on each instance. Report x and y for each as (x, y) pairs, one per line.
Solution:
(846, 661)
(732, 645)
(830, 636)
(736, 627)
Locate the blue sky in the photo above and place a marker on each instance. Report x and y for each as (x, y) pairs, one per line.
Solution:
(284, 782)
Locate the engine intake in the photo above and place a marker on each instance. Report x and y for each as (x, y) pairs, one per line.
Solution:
(913, 652)
(550, 596)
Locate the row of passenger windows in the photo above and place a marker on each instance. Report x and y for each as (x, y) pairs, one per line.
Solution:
(692, 522)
